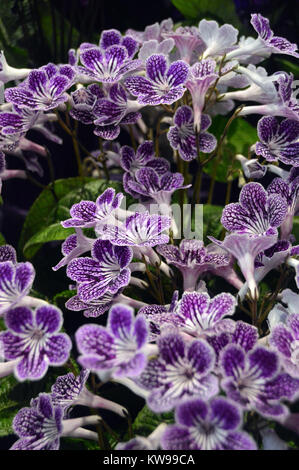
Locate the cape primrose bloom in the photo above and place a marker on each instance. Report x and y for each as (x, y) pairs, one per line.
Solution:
(201, 425)
(16, 280)
(33, 338)
(285, 340)
(163, 84)
(117, 350)
(107, 270)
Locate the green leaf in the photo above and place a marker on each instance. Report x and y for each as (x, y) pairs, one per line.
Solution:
(49, 234)
(295, 230)
(2, 240)
(211, 221)
(42, 223)
(147, 421)
(215, 9)
(289, 66)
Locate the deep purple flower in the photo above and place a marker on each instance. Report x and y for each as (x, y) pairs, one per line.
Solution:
(253, 380)
(182, 137)
(213, 425)
(163, 84)
(107, 65)
(92, 308)
(41, 426)
(201, 76)
(112, 37)
(217, 40)
(84, 101)
(33, 338)
(284, 339)
(107, 270)
(87, 214)
(181, 371)
(278, 141)
(193, 259)
(118, 349)
(265, 44)
(44, 88)
(149, 184)
(16, 280)
(256, 213)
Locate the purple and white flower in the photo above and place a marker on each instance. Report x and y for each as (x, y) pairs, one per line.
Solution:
(16, 280)
(182, 370)
(163, 84)
(253, 380)
(213, 425)
(33, 338)
(182, 137)
(119, 350)
(284, 339)
(188, 41)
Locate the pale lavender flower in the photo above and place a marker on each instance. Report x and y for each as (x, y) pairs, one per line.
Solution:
(33, 338)
(153, 31)
(183, 138)
(251, 168)
(253, 380)
(152, 442)
(213, 425)
(119, 350)
(180, 371)
(201, 76)
(152, 46)
(217, 40)
(8, 73)
(163, 84)
(187, 40)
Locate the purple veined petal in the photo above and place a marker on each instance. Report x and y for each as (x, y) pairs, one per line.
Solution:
(45, 406)
(238, 440)
(110, 132)
(282, 386)
(84, 269)
(245, 335)
(191, 412)
(48, 318)
(94, 362)
(232, 360)
(254, 197)
(171, 181)
(94, 339)
(267, 129)
(145, 151)
(19, 320)
(131, 118)
(92, 59)
(281, 339)
(118, 94)
(262, 26)
(183, 115)
(171, 347)
(132, 368)
(123, 255)
(288, 131)
(138, 85)
(177, 73)
(27, 422)
(86, 117)
(193, 305)
(92, 290)
(108, 112)
(120, 321)
(84, 210)
(264, 362)
(115, 57)
(58, 84)
(24, 276)
(69, 244)
(127, 157)
(12, 345)
(21, 97)
(141, 332)
(293, 323)
(8, 253)
(160, 165)
(156, 66)
(207, 142)
(148, 178)
(109, 38)
(173, 95)
(57, 349)
(122, 280)
(201, 355)
(177, 438)
(37, 80)
(205, 122)
(32, 367)
(283, 46)
(225, 414)
(130, 44)
(221, 305)
(277, 208)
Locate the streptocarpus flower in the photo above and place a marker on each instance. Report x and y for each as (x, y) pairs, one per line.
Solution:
(89, 214)
(70, 390)
(265, 43)
(256, 213)
(278, 141)
(106, 65)
(217, 40)
(201, 76)
(213, 425)
(180, 372)
(33, 338)
(144, 156)
(152, 442)
(83, 102)
(16, 280)
(192, 259)
(187, 40)
(149, 184)
(163, 84)
(8, 73)
(182, 137)
(153, 31)
(119, 350)
(279, 313)
(284, 338)
(44, 89)
(152, 46)
(41, 426)
(73, 246)
(107, 270)
(8, 253)
(253, 380)
(112, 37)
(251, 168)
